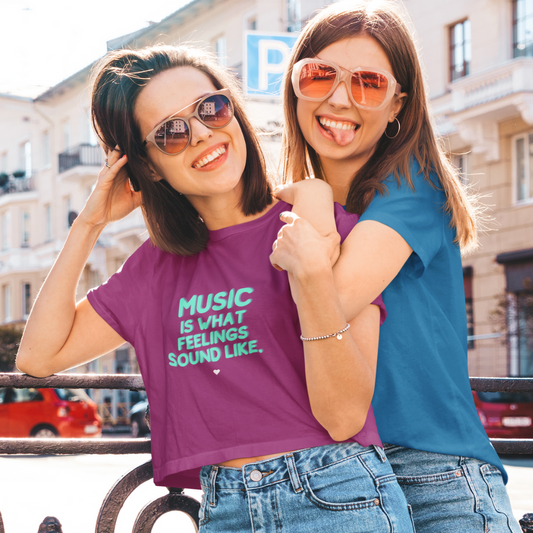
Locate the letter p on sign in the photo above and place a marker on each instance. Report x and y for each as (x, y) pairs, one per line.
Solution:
(266, 59)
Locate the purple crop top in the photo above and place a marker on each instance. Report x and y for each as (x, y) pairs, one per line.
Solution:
(217, 341)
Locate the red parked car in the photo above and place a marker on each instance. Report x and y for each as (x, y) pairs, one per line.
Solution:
(48, 413)
(506, 415)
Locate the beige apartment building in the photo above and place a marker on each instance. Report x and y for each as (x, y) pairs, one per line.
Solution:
(478, 56)
(49, 161)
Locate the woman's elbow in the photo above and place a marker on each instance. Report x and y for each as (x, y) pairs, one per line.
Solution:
(346, 429)
(28, 365)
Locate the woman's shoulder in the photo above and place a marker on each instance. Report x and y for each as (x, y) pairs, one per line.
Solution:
(415, 182)
(145, 258)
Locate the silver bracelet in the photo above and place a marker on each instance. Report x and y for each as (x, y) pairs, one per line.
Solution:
(337, 334)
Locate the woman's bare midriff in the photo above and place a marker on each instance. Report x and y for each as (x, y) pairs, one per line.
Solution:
(238, 463)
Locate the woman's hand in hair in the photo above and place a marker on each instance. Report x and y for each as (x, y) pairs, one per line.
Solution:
(113, 196)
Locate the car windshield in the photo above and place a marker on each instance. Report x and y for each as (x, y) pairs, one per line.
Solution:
(72, 395)
(506, 397)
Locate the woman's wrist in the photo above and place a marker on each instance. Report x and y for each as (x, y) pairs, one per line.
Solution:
(84, 226)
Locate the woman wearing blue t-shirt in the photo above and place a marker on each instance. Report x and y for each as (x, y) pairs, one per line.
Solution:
(357, 117)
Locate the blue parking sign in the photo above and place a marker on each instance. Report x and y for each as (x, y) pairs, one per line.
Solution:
(266, 56)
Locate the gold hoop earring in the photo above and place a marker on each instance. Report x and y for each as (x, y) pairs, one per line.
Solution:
(397, 132)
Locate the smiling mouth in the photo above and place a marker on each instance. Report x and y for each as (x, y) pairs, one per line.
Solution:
(209, 158)
(337, 125)
(342, 133)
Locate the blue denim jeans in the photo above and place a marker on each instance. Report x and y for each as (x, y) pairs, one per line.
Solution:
(340, 488)
(452, 494)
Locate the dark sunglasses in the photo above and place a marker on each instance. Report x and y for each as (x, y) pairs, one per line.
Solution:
(173, 135)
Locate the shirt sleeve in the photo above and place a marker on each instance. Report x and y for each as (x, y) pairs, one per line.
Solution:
(417, 215)
(119, 300)
(345, 223)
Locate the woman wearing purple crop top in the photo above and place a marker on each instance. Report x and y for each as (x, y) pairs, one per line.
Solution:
(279, 435)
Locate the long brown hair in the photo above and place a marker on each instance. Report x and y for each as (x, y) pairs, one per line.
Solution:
(383, 21)
(172, 222)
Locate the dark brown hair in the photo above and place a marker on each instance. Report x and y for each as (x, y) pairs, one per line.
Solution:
(383, 21)
(119, 77)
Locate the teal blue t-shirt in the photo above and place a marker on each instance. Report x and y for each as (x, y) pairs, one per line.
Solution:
(422, 398)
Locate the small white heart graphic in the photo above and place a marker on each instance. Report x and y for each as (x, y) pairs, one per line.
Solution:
(217, 371)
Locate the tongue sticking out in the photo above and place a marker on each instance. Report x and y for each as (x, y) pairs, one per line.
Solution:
(340, 136)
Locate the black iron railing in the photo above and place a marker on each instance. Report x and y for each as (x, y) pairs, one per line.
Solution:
(175, 500)
(82, 154)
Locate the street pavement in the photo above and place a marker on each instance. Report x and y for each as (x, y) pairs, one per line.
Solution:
(72, 489)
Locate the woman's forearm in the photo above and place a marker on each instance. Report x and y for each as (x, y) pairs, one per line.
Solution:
(55, 319)
(340, 380)
(53, 312)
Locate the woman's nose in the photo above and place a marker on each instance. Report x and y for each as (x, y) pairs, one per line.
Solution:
(199, 132)
(340, 98)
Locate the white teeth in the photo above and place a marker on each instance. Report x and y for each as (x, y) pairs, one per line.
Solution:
(211, 157)
(337, 125)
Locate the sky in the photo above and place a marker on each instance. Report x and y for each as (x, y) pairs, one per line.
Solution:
(43, 42)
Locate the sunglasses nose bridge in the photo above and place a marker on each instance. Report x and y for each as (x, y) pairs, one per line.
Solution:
(339, 97)
(198, 130)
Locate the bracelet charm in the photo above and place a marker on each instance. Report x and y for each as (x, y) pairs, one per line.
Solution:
(337, 334)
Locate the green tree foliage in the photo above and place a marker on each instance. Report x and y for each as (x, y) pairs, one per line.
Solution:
(9, 343)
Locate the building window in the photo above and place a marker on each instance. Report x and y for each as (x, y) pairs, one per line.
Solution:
(25, 158)
(47, 223)
(519, 310)
(47, 162)
(460, 50)
(91, 135)
(6, 293)
(522, 28)
(6, 231)
(523, 167)
(24, 229)
(220, 51)
(460, 162)
(294, 16)
(66, 135)
(251, 23)
(66, 208)
(467, 278)
(26, 300)
(95, 278)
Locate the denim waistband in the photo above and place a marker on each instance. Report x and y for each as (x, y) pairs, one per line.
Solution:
(283, 468)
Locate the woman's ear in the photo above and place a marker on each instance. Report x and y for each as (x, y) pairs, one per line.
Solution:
(154, 173)
(397, 106)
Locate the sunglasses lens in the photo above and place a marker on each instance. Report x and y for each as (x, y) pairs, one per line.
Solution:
(216, 111)
(316, 80)
(172, 136)
(369, 88)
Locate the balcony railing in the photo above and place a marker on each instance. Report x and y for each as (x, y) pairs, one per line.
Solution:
(82, 154)
(14, 185)
(513, 77)
(175, 500)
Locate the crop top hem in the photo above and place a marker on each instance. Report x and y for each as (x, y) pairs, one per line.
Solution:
(184, 472)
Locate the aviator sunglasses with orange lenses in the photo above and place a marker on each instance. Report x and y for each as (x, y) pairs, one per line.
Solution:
(316, 79)
(173, 135)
